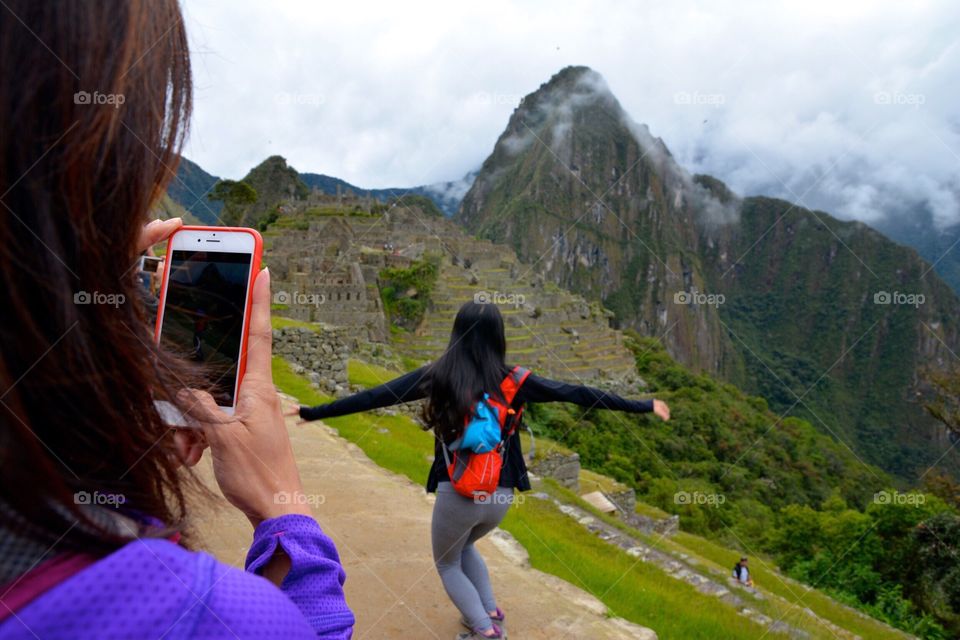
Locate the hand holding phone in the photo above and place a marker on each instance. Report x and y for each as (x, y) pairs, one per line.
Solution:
(252, 457)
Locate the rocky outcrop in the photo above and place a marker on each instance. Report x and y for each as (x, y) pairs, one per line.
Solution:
(658, 526)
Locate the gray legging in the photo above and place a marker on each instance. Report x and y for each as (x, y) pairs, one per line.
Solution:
(458, 522)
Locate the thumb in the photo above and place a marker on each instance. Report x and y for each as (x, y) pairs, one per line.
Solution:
(157, 231)
(202, 412)
(260, 339)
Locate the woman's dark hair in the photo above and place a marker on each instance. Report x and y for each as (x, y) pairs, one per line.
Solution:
(472, 364)
(94, 105)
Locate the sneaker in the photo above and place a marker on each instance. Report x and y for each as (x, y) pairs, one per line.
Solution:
(497, 618)
(476, 634)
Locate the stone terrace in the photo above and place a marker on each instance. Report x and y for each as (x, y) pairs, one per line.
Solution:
(548, 329)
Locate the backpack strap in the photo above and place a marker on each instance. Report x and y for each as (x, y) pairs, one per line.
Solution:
(41, 579)
(512, 383)
(509, 388)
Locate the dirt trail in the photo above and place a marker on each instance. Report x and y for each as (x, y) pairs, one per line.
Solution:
(381, 524)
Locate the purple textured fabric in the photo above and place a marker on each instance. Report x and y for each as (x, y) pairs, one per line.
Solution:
(156, 589)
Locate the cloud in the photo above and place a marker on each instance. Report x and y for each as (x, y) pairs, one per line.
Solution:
(848, 107)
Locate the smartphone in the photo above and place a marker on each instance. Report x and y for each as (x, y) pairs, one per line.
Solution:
(149, 264)
(204, 304)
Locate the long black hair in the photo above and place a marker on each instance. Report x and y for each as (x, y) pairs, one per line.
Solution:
(79, 178)
(472, 364)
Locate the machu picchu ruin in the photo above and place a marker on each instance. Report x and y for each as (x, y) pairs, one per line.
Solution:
(335, 249)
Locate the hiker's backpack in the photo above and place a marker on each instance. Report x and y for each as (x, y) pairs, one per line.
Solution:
(478, 455)
(736, 570)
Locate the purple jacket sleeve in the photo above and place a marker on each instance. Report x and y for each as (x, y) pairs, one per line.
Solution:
(315, 580)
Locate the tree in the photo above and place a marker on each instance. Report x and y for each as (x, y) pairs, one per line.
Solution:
(934, 573)
(234, 194)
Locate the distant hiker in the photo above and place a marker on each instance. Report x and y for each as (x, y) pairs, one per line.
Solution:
(741, 573)
(474, 406)
(93, 490)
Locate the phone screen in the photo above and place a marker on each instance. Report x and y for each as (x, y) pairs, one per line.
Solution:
(203, 313)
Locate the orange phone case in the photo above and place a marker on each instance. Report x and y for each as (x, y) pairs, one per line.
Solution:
(254, 270)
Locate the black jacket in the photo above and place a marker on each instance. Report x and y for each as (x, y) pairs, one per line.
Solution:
(415, 385)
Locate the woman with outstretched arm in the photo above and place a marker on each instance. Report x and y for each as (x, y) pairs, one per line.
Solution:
(472, 365)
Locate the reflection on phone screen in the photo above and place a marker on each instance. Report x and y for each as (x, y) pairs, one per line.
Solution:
(203, 314)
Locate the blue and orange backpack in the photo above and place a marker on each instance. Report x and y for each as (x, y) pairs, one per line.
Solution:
(478, 455)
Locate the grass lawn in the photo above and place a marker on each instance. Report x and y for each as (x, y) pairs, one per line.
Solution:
(279, 322)
(369, 375)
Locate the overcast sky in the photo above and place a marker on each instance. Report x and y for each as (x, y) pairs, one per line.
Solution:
(851, 106)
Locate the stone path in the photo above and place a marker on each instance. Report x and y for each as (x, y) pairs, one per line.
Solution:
(381, 524)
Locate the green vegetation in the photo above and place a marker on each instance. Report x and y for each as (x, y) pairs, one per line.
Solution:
(736, 472)
(368, 375)
(233, 194)
(814, 300)
(272, 183)
(719, 442)
(406, 291)
(415, 200)
(897, 560)
(721, 560)
(592, 481)
(279, 322)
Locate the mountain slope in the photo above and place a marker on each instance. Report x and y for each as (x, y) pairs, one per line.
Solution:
(598, 205)
(275, 182)
(768, 295)
(806, 304)
(190, 188)
(939, 246)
